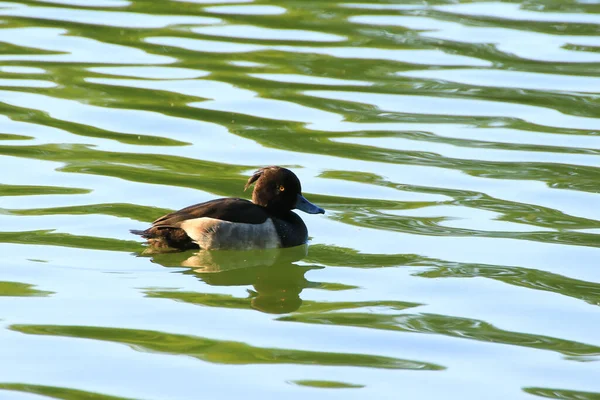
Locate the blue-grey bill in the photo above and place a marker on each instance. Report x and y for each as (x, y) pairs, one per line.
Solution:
(304, 205)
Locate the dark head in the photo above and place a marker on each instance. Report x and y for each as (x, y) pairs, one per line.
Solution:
(279, 190)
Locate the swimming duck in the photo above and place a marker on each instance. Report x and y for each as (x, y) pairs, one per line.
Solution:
(233, 223)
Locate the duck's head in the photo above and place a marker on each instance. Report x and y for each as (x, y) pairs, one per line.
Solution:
(278, 189)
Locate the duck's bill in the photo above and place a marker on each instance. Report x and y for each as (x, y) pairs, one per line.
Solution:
(304, 205)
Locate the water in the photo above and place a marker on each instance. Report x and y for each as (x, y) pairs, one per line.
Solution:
(454, 145)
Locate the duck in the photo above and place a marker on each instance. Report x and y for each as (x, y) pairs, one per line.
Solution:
(239, 224)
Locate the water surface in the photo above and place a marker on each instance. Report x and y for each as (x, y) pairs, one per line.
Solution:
(454, 145)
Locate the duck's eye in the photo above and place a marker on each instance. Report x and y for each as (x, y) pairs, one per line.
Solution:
(281, 188)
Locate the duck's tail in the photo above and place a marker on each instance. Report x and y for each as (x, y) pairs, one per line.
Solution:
(166, 237)
(142, 233)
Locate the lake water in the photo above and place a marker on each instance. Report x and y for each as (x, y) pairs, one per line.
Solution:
(454, 144)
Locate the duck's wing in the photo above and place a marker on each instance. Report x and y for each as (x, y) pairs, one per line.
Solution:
(227, 209)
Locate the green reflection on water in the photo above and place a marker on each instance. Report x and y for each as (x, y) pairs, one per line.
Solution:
(523, 277)
(221, 351)
(57, 392)
(276, 280)
(18, 289)
(562, 393)
(449, 326)
(6, 136)
(50, 238)
(278, 285)
(327, 384)
(19, 190)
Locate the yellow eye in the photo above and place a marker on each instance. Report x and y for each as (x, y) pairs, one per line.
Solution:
(281, 188)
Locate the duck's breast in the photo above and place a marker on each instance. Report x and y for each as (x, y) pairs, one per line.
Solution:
(211, 233)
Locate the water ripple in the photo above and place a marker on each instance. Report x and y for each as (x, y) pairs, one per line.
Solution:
(455, 148)
(107, 18)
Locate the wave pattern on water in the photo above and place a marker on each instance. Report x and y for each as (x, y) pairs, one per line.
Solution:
(454, 145)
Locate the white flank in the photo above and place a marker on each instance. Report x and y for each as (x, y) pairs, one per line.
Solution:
(211, 233)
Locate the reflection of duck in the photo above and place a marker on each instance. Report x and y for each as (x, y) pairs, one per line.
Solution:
(231, 223)
(277, 281)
